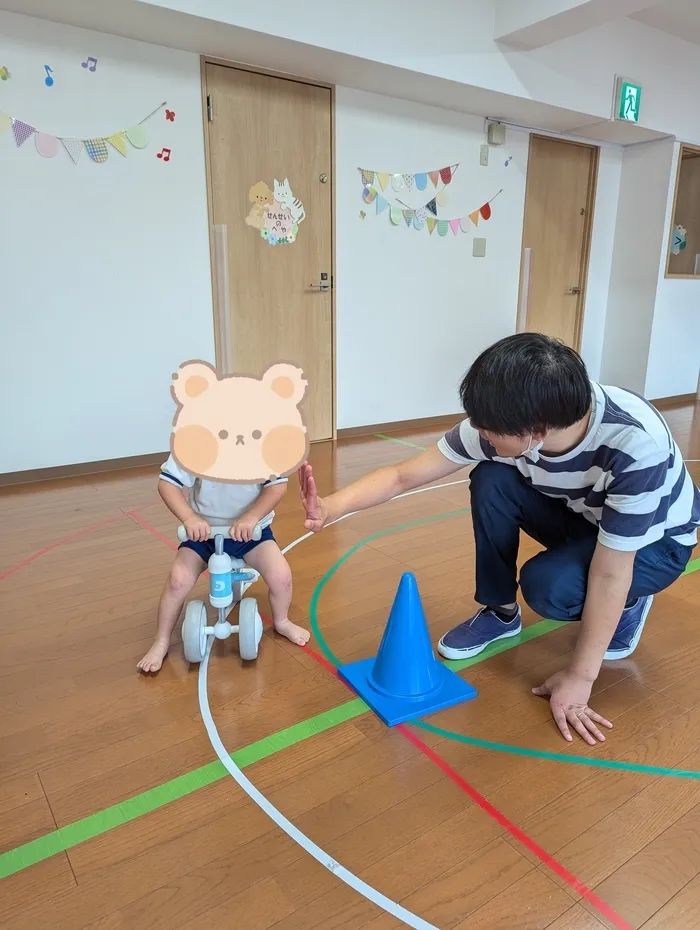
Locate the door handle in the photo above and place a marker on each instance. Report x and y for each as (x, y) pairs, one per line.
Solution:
(322, 286)
(574, 290)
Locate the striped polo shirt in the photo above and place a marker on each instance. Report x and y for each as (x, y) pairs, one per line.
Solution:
(627, 476)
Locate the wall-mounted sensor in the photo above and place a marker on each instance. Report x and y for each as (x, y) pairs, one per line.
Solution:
(496, 134)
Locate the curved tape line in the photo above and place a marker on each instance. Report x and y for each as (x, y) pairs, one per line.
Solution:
(376, 897)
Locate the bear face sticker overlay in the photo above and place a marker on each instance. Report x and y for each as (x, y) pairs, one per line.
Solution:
(237, 428)
(276, 213)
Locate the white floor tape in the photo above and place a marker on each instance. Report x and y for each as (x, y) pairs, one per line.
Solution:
(376, 897)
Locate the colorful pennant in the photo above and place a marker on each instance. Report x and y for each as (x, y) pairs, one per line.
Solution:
(401, 181)
(97, 148)
(420, 218)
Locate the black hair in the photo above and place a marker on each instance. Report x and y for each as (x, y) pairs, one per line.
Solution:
(527, 383)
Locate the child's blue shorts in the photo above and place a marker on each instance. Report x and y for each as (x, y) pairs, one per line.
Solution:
(237, 550)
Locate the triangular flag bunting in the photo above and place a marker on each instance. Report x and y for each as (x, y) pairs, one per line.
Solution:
(383, 179)
(5, 122)
(74, 147)
(408, 179)
(454, 169)
(443, 227)
(138, 136)
(22, 131)
(486, 211)
(431, 223)
(421, 181)
(408, 216)
(118, 141)
(464, 223)
(454, 226)
(434, 177)
(367, 177)
(474, 217)
(446, 175)
(382, 203)
(432, 206)
(395, 215)
(418, 222)
(97, 149)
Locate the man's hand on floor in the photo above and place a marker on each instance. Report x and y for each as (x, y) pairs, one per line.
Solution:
(568, 700)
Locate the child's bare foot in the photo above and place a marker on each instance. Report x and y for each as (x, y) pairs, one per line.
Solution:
(153, 659)
(296, 634)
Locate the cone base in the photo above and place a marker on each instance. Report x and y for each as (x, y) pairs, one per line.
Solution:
(395, 710)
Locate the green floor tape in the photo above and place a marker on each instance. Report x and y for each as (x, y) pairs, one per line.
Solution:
(89, 827)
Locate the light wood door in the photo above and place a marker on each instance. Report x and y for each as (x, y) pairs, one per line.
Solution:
(264, 129)
(558, 206)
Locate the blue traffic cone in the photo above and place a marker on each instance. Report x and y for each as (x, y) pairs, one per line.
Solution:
(406, 680)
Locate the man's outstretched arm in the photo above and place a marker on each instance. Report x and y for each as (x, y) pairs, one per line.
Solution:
(375, 488)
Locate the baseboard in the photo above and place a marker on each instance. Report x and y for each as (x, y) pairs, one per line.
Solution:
(81, 469)
(448, 420)
(679, 400)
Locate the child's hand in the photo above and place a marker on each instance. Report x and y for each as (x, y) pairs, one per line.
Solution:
(242, 529)
(197, 528)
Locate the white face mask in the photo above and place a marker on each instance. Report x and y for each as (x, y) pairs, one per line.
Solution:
(532, 452)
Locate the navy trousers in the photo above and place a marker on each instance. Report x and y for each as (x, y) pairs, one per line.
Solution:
(554, 582)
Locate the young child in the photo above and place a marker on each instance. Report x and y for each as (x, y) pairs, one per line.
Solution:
(199, 504)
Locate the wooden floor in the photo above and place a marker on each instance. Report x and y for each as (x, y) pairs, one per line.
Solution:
(112, 814)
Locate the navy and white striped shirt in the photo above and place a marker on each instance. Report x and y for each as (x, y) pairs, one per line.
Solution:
(627, 476)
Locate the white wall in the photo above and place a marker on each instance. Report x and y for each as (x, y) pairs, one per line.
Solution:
(646, 171)
(105, 267)
(413, 309)
(600, 262)
(674, 350)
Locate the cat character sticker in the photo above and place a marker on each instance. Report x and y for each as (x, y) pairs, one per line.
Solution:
(275, 213)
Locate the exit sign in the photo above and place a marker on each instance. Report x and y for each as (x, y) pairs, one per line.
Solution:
(628, 98)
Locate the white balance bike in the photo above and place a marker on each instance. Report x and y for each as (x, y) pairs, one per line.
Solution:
(228, 580)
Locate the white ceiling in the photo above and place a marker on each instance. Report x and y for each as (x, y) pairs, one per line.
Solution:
(680, 18)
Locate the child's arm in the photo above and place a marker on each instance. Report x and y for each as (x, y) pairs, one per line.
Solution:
(174, 499)
(268, 499)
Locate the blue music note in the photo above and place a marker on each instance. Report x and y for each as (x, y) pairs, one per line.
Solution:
(48, 80)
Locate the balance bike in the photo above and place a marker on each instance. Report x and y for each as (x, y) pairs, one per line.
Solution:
(228, 580)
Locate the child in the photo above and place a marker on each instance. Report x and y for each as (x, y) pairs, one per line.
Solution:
(199, 504)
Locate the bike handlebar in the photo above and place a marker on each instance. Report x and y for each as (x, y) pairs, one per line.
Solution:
(215, 531)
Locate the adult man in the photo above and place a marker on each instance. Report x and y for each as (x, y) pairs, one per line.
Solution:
(590, 472)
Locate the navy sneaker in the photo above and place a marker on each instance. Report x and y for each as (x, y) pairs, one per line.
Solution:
(629, 629)
(473, 636)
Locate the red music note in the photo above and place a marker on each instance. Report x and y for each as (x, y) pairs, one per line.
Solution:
(164, 154)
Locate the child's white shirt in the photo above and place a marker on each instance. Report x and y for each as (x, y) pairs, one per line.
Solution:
(219, 502)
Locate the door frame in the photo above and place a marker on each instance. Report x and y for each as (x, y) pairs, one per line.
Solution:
(218, 346)
(587, 229)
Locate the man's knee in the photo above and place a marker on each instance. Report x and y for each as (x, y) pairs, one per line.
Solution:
(489, 478)
(552, 590)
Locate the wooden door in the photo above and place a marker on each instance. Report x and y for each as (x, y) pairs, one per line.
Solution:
(263, 131)
(559, 200)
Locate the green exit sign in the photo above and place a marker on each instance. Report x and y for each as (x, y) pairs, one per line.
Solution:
(628, 100)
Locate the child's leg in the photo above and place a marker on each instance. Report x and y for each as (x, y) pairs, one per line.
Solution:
(277, 575)
(187, 568)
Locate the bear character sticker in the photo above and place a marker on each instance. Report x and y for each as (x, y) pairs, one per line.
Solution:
(238, 428)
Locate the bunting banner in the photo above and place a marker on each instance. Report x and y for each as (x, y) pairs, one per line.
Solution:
(426, 217)
(98, 148)
(407, 182)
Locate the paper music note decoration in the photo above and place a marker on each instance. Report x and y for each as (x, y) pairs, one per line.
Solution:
(90, 64)
(164, 154)
(48, 80)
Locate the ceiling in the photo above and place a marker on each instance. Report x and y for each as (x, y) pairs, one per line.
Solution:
(680, 18)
